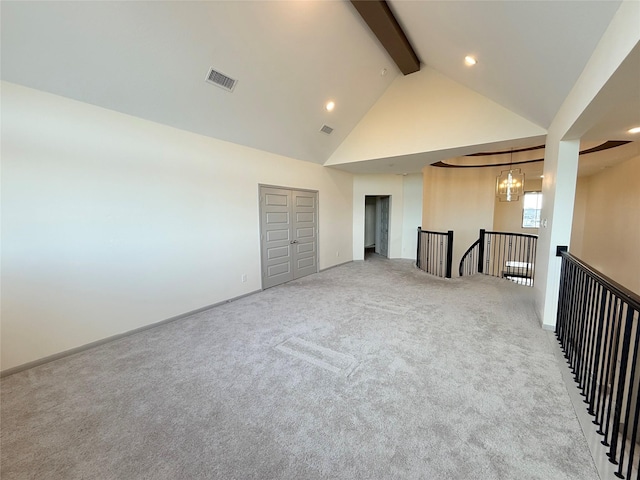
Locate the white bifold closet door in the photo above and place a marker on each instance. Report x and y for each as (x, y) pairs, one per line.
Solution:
(288, 234)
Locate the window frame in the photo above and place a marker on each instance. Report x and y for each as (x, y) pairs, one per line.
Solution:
(537, 211)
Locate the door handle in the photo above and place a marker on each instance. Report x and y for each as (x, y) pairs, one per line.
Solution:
(293, 241)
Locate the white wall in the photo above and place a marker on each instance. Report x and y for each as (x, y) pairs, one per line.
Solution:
(411, 213)
(370, 221)
(110, 222)
(405, 197)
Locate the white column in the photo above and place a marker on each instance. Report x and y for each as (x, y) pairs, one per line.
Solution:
(558, 194)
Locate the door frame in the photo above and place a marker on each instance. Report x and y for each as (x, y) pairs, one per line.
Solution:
(378, 222)
(261, 233)
(379, 225)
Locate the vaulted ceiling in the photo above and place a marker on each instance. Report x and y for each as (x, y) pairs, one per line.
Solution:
(150, 60)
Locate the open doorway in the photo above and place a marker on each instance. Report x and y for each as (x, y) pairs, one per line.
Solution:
(376, 225)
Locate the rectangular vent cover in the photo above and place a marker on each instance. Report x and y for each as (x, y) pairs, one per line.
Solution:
(326, 129)
(221, 80)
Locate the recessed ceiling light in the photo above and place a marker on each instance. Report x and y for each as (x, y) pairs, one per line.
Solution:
(330, 105)
(634, 130)
(469, 60)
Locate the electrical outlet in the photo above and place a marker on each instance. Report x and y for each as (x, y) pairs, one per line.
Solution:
(243, 278)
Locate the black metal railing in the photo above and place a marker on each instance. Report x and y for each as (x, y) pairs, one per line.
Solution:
(435, 252)
(502, 254)
(469, 261)
(597, 328)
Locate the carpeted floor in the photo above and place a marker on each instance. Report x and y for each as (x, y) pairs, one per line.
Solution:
(371, 370)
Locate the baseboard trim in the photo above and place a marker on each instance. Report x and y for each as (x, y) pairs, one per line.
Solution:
(606, 470)
(112, 338)
(337, 265)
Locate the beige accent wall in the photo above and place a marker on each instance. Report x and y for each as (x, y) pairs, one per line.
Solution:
(606, 229)
(579, 216)
(426, 112)
(111, 222)
(458, 199)
(507, 216)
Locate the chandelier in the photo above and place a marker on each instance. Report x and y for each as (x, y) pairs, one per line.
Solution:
(510, 184)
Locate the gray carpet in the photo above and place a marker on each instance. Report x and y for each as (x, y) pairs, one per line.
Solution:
(371, 370)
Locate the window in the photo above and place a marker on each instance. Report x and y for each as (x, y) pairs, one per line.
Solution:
(531, 207)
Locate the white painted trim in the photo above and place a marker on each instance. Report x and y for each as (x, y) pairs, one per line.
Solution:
(606, 470)
(338, 265)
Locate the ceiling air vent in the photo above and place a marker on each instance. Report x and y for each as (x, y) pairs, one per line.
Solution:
(326, 129)
(221, 80)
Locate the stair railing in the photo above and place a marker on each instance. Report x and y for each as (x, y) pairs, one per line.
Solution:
(598, 330)
(435, 252)
(470, 260)
(502, 254)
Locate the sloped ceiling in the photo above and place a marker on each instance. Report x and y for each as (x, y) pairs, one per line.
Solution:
(150, 59)
(529, 53)
(425, 117)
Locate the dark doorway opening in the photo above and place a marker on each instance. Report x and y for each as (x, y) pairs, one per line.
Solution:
(376, 225)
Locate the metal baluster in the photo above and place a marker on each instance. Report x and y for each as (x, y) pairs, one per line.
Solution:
(628, 356)
(569, 301)
(607, 424)
(588, 335)
(593, 394)
(606, 399)
(575, 322)
(577, 358)
(449, 253)
(436, 256)
(579, 313)
(521, 268)
(430, 254)
(593, 340)
(499, 257)
(492, 241)
(588, 338)
(440, 255)
(562, 300)
(418, 252)
(622, 380)
(535, 248)
(636, 415)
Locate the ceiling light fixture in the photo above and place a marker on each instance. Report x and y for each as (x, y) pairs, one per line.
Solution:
(330, 106)
(634, 130)
(469, 60)
(510, 184)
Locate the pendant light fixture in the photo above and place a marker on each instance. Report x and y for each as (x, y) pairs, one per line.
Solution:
(510, 183)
